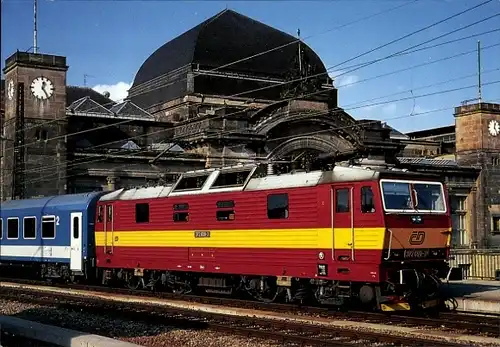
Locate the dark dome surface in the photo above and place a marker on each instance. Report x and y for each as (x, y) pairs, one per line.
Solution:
(223, 39)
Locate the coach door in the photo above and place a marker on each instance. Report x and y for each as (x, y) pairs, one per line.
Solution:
(108, 229)
(76, 241)
(343, 222)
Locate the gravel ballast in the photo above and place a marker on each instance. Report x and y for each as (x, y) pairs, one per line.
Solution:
(125, 330)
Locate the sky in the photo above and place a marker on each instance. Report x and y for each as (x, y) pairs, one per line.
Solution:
(109, 40)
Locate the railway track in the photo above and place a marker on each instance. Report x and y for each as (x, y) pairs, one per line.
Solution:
(281, 330)
(446, 321)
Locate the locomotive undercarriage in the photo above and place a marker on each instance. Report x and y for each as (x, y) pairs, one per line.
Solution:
(412, 290)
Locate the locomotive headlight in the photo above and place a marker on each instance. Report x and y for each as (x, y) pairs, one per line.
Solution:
(321, 255)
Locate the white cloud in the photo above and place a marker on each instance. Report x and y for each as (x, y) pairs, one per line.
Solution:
(118, 91)
(343, 81)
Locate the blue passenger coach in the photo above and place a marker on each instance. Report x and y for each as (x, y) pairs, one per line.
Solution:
(54, 235)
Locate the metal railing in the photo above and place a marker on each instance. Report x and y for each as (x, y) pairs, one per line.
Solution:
(483, 264)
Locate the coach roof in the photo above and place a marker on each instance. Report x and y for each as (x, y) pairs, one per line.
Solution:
(62, 202)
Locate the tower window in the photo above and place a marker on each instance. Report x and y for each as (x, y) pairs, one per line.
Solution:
(41, 135)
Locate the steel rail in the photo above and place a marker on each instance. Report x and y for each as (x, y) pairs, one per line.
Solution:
(471, 323)
(284, 331)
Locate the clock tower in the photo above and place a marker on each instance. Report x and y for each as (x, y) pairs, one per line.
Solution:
(477, 129)
(35, 125)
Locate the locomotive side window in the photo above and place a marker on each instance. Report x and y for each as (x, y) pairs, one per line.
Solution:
(180, 207)
(228, 213)
(342, 200)
(142, 213)
(231, 179)
(225, 204)
(367, 203)
(277, 206)
(191, 183)
(13, 228)
(109, 213)
(181, 216)
(100, 217)
(223, 215)
(48, 227)
(29, 227)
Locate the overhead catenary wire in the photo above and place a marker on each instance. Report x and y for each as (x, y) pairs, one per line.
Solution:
(413, 115)
(322, 112)
(330, 68)
(285, 99)
(251, 56)
(65, 136)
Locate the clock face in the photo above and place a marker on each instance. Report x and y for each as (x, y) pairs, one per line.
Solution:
(10, 90)
(42, 88)
(494, 128)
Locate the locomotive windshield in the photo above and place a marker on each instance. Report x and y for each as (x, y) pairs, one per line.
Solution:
(409, 196)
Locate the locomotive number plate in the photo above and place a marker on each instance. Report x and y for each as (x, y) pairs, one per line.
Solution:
(199, 234)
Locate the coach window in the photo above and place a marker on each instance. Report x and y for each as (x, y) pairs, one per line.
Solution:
(277, 206)
(342, 200)
(1, 228)
(367, 204)
(13, 228)
(29, 227)
(48, 227)
(142, 213)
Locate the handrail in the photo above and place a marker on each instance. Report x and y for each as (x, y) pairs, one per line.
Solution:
(390, 245)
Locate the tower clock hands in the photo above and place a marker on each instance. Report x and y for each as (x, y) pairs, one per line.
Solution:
(43, 88)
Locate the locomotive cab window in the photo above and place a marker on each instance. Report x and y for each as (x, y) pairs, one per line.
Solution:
(407, 196)
(342, 200)
(367, 202)
(48, 227)
(29, 227)
(142, 213)
(277, 206)
(12, 228)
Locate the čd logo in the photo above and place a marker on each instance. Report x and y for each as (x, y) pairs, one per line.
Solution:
(417, 238)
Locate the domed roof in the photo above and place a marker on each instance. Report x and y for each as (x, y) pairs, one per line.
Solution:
(223, 39)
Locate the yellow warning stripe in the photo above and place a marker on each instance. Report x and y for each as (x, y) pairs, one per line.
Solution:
(364, 238)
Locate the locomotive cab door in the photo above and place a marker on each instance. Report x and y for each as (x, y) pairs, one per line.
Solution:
(343, 222)
(108, 229)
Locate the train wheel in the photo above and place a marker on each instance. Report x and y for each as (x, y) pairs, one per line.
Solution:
(264, 289)
(134, 282)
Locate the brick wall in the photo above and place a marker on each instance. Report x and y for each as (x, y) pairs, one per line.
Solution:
(476, 146)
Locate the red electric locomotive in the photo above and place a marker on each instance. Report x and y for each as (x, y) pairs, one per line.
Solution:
(380, 237)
